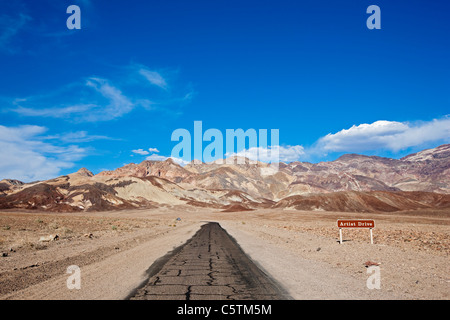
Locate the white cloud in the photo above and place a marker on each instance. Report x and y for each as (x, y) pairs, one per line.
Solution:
(107, 102)
(143, 152)
(271, 153)
(153, 77)
(54, 112)
(290, 153)
(386, 135)
(25, 156)
(140, 151)
(157, 157)
(101, 99)
(117, 103)
(79, 137)
(179, 161)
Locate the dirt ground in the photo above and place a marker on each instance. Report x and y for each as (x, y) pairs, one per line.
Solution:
(299, 249)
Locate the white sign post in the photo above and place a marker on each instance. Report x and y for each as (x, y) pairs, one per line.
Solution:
(368, 224)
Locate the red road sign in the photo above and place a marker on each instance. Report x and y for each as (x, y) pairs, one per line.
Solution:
(356, 224)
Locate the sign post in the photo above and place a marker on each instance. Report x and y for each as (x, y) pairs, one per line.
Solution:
(368, 224)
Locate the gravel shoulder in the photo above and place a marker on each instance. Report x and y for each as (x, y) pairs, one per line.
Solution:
(112, 263)
(304, 253)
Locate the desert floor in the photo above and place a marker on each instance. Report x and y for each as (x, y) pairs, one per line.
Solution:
(298, 249)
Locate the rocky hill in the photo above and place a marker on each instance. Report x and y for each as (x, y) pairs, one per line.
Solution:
(353, 183)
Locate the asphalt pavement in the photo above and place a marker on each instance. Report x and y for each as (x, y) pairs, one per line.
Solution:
(209, 266)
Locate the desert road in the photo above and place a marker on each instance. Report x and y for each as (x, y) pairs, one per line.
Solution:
(210, 265)
(151, 254)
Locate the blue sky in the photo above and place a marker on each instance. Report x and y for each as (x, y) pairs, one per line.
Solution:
(101, 96)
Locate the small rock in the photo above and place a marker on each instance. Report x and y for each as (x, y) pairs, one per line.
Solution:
(4, 254)
(318, 249)
(49, 238)
(371, 263)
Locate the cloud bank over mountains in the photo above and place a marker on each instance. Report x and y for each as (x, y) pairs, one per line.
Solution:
(386, 135)
(28, 153)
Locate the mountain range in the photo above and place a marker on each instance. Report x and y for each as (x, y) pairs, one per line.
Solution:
(351, 183)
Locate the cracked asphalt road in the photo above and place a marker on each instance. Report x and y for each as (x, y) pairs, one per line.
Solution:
(210, 265)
